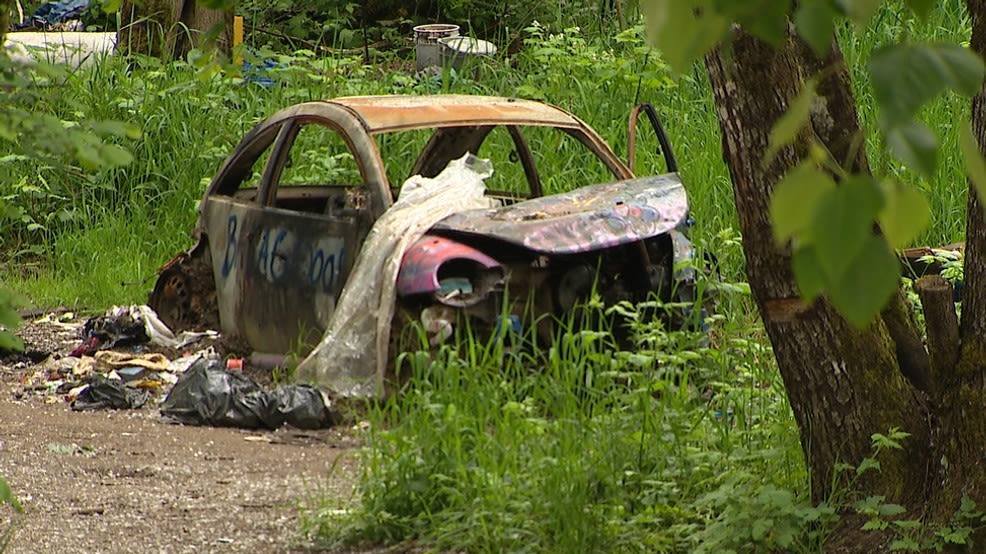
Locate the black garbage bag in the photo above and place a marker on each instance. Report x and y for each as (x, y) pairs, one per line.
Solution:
(109, 393)
(209, 394)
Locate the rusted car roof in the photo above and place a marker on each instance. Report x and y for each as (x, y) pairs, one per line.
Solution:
(381, 114)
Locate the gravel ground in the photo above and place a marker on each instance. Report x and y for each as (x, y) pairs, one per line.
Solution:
(121, 481)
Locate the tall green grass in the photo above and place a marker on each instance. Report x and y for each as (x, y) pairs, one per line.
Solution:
(577, 448)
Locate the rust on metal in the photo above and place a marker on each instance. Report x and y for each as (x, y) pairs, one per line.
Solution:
(382, 114)
(588, 218)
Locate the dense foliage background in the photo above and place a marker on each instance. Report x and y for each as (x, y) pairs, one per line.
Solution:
(684, 444)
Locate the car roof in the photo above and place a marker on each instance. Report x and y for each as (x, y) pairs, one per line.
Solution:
(381, 114)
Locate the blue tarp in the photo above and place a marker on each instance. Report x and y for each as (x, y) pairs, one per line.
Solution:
(53, 13)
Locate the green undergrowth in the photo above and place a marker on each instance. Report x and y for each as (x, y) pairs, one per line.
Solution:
(581, 447)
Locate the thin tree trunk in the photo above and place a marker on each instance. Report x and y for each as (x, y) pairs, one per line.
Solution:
(169, 29)
(5, 6)
(962, 410)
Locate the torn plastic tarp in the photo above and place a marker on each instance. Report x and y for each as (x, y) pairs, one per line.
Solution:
(352, 356)
(208, 394)
(108, 393)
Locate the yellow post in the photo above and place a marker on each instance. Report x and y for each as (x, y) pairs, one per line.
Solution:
(237, 38)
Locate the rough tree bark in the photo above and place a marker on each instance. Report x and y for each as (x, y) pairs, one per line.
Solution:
(845, 384)
(171, 28)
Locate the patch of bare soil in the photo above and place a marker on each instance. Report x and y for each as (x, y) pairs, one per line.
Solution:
(122, 481)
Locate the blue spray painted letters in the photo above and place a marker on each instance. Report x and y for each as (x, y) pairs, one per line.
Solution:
(324, 267)
(271, 263)
(229, 255)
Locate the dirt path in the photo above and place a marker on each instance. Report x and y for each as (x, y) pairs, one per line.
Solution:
(121, 481)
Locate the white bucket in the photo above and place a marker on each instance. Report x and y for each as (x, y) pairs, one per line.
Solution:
(426, 42)
(458, 50)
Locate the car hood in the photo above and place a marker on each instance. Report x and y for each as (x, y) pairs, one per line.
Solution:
(585, 219)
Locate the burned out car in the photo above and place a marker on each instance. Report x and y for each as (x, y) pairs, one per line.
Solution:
(286, 218)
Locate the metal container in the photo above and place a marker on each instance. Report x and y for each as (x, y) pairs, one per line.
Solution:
(427, 48)
(457, 51)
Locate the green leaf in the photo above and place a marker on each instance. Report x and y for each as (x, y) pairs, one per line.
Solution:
(10, 341)
(874, 525)
(915, 144)
(869, 282)
(217, 4)
(111, 6)
(860, 11)
(684, 30)
(866, 465)
(7, 496)
(765, 19)
(975, 165)
(905, 214)
(115, 128)
(815, 22)
(808, 273)
(112, 155)
(793, 120)
(891, 509)
(88, 156)
(9, 318)
(760, 528)
(842, 222)
(921, 8)
(906, 76)
(905, 543)
(795, 199)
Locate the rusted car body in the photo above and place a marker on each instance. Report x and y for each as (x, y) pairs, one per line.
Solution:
(286, 215)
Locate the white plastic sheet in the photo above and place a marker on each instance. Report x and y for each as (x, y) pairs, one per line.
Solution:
(352, 358)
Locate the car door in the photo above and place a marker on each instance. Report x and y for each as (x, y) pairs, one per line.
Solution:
(282, 242)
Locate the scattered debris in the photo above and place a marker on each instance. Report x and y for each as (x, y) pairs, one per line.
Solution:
(131, 325)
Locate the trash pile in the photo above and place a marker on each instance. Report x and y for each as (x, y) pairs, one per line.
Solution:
(127, 358)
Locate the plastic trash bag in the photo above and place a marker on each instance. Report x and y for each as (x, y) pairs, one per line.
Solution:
(109, 393)
(208, 394)
(351, 358)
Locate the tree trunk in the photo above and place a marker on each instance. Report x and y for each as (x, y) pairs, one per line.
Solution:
(963, 402)
(169, 29)
(5, 7)
(845, 384)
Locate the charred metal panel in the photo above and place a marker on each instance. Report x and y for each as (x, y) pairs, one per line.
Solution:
(585, 219)
(421, 262)
(278, 273)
